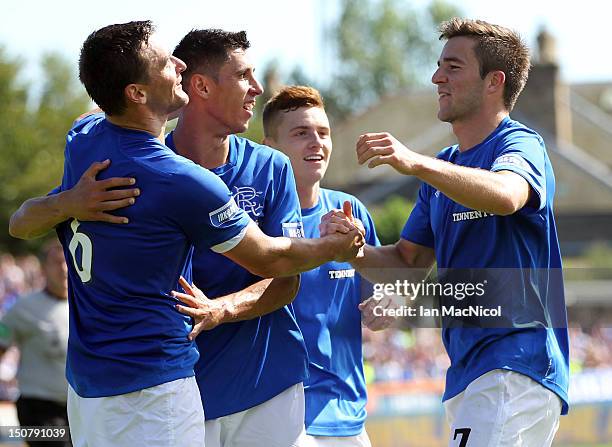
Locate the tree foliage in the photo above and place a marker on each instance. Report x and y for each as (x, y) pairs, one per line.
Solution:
(390, 218)
(382, 46)
(32, 132)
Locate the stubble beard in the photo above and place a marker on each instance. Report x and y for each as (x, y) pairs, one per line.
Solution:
(463, 110)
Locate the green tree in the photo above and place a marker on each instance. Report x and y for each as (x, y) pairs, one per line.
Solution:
(390, 217)
(383, 47)
(32, 133)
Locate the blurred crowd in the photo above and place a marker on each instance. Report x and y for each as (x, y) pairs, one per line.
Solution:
(18, 276)
(591, 348)
(396, 354)
(390, 355)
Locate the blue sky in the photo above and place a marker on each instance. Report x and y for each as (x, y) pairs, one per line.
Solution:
(292, 32)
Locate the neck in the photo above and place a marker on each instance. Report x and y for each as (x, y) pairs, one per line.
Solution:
(308, 194)
(141, 119)
(196, 139)
(472, 130)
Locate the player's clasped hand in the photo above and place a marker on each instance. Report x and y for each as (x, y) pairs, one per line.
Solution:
(91, 199)
(207, 313)
(343, 222)
(340, 221)
(384, 148)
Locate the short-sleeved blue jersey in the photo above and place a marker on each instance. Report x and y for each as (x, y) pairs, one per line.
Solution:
(246, 363)
(327, 312)
(525, 241)
(125, 333)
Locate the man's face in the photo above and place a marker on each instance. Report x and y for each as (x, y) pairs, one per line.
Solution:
(232, 96)
(304, 136)
(460, 88)
(56, 272)
(164, 91)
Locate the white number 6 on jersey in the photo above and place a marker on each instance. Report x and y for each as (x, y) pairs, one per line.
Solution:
(83, 240)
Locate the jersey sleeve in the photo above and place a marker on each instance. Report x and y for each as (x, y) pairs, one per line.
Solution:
(207, 212)
(79, 123)
(418, 226)
(55, 190)
(284, 217)
(523, 153)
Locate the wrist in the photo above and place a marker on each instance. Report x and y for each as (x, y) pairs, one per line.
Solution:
(325, 249)
(335, 251)
(59, 205)
(423, 165)
(226, 311)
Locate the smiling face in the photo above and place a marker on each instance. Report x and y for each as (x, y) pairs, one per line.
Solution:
(164, 91)
(232, 95)
(305, 137)
(461, 90)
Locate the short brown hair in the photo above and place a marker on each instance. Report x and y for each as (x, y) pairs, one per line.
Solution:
(205, 51)
(286, 100)
(497, 48)
(112, 58)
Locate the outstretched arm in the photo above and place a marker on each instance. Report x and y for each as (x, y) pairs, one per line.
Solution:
(269, 257)
(89, 199)
(384, 263)
(501, 193)
(256, 300)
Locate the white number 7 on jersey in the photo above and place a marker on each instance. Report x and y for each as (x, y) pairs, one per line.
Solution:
(83, 240)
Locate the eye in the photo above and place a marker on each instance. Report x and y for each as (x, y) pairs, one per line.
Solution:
(246, 74)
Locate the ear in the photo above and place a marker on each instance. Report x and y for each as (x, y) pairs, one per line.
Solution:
(496, 81)
(200, 85)
(135, 93)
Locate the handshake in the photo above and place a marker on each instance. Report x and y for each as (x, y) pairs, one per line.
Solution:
(344, 231)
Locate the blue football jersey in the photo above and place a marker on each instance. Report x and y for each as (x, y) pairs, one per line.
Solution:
(125, 333)
(327, 312)
(245, 363)
(522, 246)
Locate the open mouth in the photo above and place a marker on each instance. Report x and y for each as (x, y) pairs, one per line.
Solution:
(314, 157)
(248, 106)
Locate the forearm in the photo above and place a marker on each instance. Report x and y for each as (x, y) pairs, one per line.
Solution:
(291, 256)
(259, 299)
(37, 216)
(386, 264)
(473, 188)
(272, 257)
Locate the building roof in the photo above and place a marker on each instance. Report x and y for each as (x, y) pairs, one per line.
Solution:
(583, 166)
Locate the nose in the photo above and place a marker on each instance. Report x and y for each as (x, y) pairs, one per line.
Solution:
(316, 141)
(437, 77)
(179, 64)
(256, 87)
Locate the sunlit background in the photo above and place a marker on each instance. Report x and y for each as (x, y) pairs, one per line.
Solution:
(372, 60)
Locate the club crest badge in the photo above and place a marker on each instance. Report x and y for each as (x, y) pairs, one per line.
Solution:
(248, 198)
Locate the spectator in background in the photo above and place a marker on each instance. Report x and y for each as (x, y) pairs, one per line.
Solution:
(38, 325)
(17, 277)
